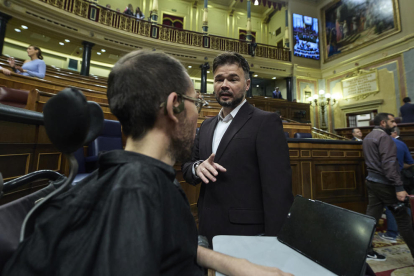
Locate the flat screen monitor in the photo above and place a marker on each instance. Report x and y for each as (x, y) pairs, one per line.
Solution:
(305, 37)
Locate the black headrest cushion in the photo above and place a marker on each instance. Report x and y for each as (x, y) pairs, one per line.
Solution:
(67, 120)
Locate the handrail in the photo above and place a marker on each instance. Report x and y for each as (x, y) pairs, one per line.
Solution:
(120, 21)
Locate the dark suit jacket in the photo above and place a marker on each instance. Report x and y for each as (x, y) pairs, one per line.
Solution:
(407, 113)
(277, 95)
(255, 193)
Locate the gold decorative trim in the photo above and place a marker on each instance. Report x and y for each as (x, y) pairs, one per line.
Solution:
(50, 153)
(294, 151)
(27, 164)
(353, 172)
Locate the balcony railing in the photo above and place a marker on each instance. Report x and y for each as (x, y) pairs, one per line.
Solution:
(120, 21)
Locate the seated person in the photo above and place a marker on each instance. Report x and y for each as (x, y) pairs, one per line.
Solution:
(35, 67)
(357, 134)
(131, 217)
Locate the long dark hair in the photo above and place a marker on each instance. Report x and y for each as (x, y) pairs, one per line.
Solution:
(39, 52)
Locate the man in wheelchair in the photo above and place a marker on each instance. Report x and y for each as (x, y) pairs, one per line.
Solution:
(130, 217)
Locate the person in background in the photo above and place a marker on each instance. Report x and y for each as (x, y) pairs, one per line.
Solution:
(384, 183)
(139, 14)
(396, 134)
(129, 10)
(407, 111)
(35, 67)
(405, 162)
(5, 71)
(356, 132)
(118, 10)
(108, 6)
(277, 94)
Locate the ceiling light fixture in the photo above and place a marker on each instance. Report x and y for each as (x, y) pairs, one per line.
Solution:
(208, 72)
(67, 40)
(256, 3)
(273, 78)
(25, 27)
(99, 53)
(61, 43)
(255, 76)
(257, 85)
(103, 50)
(18, 30)
(189, 66)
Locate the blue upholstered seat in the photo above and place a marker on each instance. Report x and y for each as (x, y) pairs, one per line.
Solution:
(302, 135)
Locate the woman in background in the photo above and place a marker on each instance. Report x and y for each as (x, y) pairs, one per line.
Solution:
(35, 67)
(139, 14)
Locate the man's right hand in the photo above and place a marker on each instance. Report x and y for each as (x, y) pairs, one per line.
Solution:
(401, 195)
(208, 169)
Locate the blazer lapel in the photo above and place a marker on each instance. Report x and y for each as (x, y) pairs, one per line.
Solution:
(208, 142)
(238, 122)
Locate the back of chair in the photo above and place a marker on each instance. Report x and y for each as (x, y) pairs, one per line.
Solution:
(302, 135)
(287, 134)
(109, 139)
(13, 97)
(11, 218)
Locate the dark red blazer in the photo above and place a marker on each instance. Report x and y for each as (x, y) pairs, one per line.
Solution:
(254, 195)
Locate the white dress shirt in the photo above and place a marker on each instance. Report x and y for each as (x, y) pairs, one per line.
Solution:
(221, 127)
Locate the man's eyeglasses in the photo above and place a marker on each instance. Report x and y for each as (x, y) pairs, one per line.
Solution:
(198, 102)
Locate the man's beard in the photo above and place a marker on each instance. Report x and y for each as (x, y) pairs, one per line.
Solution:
(389, 130)
(182, 141)
(231, 103)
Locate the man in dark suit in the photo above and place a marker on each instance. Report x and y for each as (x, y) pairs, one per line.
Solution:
(277, 94)
(242, 159)
(407, 111)
(356, 132)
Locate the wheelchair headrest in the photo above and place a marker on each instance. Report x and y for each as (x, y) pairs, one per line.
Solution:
(70, 121)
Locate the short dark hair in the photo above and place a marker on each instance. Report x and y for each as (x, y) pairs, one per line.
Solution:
(137, 85)
(353, 130)
(381, 117)
(406, 100)
(232, 58)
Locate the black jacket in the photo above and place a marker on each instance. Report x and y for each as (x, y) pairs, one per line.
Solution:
(255, 194)
(127, 218)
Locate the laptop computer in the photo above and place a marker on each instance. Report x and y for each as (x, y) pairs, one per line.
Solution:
(335, 238)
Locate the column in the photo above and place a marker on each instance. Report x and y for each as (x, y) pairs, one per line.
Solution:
(3, 24)
(154, 12)
(205, 18)
(249, 22)
(86, 57)
(204, 67)
(154, 19)
(250, 91)
(289, 89)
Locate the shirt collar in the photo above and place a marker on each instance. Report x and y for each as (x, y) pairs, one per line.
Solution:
(232, 114)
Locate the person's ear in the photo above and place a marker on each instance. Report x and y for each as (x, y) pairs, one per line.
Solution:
(248, 84)
(174, 106)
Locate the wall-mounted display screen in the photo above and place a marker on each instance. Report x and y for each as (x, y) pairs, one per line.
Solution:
(305, 36)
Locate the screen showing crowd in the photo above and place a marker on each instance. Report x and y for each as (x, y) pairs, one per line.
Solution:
(305, 36)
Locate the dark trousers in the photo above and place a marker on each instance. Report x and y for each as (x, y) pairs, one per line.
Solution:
(380, 195)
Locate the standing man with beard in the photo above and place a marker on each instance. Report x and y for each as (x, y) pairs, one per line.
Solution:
(241, 158)
(384, 183)
(130, 217)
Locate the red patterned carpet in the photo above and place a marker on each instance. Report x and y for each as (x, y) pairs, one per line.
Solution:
(399, 260)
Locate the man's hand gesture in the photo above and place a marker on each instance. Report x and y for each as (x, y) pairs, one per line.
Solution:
(208, 169)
